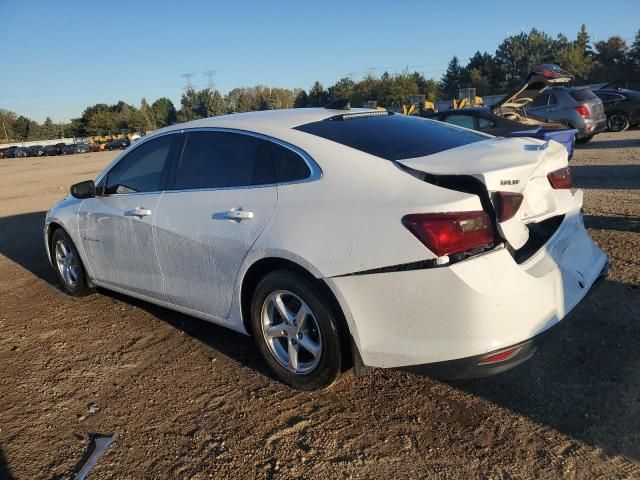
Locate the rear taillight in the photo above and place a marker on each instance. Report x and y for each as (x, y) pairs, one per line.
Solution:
(583, 111)
(560, 178)
(508, 205)
(450, 233)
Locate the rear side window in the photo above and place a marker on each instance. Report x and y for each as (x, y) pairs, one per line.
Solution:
(465, 121)
(582, 94)
(223, 159)
(289, 165)
(392, 137)
(485, 123)
(142, 169)
(541, 100)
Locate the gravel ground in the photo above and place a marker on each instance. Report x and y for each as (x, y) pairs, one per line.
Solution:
(191, 400)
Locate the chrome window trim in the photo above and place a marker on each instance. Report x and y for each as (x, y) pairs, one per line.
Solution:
(314, 168)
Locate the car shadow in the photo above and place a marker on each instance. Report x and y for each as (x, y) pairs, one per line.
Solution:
(5, 471)
(606, 177)
(585, 380)
(601, 144)
(22, 241)
(230, 343)
(620, 224)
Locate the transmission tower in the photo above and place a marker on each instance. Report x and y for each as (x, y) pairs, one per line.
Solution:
(209, 74)
(187, 77)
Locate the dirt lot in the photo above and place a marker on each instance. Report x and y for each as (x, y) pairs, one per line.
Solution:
(191, 400)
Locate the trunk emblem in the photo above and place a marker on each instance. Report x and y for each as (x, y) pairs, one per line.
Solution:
(509, 182)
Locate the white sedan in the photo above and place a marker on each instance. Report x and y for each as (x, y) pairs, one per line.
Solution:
(339, 237)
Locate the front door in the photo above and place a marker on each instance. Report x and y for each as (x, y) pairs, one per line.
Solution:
(116, 227)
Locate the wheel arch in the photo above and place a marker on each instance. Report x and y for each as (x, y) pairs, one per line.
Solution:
(266, 265)
(52, 227)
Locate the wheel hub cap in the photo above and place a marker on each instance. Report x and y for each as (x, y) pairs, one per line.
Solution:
(67, 264)
(291, 332)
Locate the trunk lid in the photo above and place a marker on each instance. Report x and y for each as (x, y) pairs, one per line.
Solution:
(518, 165)
(539, 78)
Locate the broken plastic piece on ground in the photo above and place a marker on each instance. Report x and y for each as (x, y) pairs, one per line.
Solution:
(99, 443)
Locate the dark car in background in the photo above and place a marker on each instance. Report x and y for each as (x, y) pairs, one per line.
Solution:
(118, 143)
(8, 152)
(621, 106)
(69, 149)
(482, 120)
(36, 150)
(21, 152)
(83, 148)
(54, 149)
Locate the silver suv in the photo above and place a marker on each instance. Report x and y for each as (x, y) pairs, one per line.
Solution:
(578, 107)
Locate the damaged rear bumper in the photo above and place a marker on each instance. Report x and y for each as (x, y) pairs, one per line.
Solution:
(495, 362)
(454, 317)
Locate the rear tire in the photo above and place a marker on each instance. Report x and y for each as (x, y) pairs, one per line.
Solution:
(68, 264)
(618, 122)
(296, 331)
(582, 141)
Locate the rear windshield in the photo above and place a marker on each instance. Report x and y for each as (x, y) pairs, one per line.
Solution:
(392, 137)
(582, 94)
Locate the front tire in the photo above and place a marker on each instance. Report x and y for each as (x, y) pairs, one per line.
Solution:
(296, 331)
(618, 122)
(68, 264)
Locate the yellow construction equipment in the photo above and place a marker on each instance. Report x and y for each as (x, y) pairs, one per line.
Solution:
(467, 98)
(417, 105)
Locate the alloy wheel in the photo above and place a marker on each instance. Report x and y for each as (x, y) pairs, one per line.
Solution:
(617, 122)
(67, 264)
(291, 332)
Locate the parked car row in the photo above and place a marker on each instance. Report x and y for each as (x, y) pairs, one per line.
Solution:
(62, 149)
(621, 106)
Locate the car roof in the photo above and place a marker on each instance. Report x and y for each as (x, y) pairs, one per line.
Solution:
(618, 90)
(268, 120)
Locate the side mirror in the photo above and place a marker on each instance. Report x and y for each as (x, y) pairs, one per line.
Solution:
(86, 189)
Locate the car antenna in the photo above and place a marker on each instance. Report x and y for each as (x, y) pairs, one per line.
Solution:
(339, 104)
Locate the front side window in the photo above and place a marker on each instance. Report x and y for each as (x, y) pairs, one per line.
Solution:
(142, 169)
(465, 121)
(484, 123)
(222, 159)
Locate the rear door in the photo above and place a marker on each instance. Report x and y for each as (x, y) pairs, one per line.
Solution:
(221, 199)
(117, 226)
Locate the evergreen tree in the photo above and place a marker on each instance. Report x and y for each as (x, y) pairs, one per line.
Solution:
(452, 79)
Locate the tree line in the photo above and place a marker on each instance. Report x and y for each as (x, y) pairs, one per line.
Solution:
(607, 61)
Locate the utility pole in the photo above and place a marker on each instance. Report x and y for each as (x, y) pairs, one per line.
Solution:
(5, 131)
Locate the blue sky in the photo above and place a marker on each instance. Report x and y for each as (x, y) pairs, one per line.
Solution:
(57, 57)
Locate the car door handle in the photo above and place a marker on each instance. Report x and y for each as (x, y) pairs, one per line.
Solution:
(238, 215)
(138, 212)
